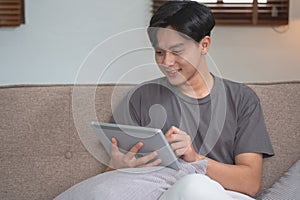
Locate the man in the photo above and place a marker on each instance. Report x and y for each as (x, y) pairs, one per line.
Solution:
(204, 117)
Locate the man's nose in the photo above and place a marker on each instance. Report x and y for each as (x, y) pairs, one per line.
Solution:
(169, 58)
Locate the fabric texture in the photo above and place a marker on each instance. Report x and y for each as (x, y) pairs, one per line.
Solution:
(42, 155)
(222, 125)
(286, 188)
(131, 183)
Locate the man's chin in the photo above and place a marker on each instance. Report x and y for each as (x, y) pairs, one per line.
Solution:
(175, 82)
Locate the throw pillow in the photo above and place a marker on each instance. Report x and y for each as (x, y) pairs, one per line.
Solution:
(286, 188)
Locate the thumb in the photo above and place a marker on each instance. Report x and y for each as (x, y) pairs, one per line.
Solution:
(114, 145)
(114, 141)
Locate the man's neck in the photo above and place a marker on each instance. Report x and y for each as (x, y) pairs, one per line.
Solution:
(199, 87)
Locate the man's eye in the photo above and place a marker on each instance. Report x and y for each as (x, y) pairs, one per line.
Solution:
(159, 52)
(177, 52)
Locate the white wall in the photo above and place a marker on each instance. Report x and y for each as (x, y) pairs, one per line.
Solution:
(59, 34)
(259, 53)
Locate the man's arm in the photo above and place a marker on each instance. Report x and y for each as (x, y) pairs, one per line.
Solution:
(244, 176)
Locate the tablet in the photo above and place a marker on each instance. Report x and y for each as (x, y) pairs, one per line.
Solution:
(128, 136)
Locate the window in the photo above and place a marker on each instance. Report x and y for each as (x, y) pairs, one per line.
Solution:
(11, 12)
(245, 12)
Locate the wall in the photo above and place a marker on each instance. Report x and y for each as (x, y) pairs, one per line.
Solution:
(59, 35)
(259, 53)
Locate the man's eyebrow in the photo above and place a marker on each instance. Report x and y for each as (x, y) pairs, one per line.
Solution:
(176, 46)
(172, 47)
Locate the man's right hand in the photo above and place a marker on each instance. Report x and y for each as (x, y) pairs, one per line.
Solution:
(120, 160)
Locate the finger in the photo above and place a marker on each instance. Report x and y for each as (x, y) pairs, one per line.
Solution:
(180, 152)
(176, 138)
(114, 145)
(114, 141)
(152, 164)
(134, 150)
(145, 159)
(172, 130)
(179, 149)
(178, 145)
(172, 134)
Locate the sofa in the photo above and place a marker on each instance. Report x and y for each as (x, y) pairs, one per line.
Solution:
(47, 144)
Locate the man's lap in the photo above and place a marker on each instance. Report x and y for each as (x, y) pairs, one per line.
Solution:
(199, 186)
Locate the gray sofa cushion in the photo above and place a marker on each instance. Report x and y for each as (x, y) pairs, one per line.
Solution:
(287, 187)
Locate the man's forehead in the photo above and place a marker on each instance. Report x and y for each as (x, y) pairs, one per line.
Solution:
(170, 39)
(170, 46)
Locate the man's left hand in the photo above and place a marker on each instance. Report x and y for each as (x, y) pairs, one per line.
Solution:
(181, 144)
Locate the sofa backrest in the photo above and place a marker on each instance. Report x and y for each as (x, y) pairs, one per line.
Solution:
(45, 129)
(281, 107)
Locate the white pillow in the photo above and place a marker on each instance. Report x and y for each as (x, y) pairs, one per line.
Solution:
(286, 188)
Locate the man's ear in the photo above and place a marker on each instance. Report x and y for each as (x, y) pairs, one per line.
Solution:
(205, 44)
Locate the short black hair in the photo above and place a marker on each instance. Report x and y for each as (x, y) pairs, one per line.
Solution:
(191, 18)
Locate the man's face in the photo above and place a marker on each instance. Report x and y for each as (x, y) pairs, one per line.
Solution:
(177, 57)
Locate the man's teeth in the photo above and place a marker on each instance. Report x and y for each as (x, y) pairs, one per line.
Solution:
(172, 70)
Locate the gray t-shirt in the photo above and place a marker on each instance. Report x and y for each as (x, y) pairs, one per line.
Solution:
(227, 122)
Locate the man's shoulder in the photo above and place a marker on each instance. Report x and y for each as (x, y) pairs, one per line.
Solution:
(237, 87)
(239, 91)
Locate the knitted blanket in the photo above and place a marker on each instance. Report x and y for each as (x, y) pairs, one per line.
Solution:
(147, 183)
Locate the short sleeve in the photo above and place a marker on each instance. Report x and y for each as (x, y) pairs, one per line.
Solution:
(251, 135)
(126, 111)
